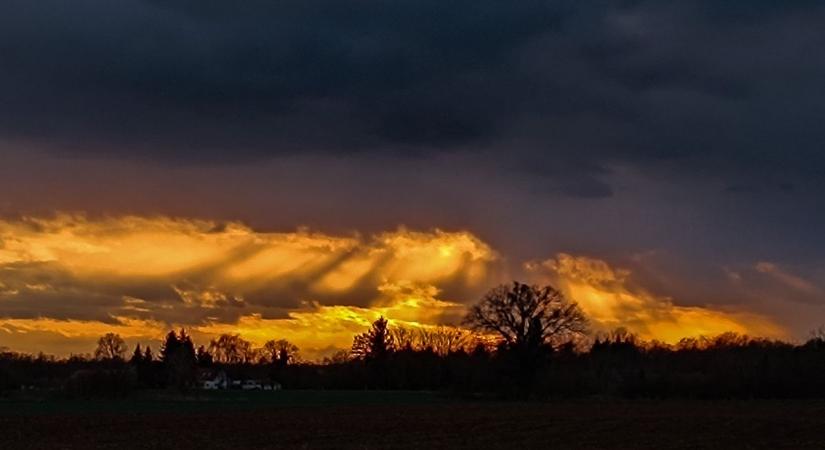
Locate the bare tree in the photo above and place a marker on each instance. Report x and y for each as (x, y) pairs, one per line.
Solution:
(817, 334)
(231, 349)
(441, 340)
(110, 347)
(281, 352)
(527, 317)
(619, 335)
(444, 340)
(339, 357)
(405, 338)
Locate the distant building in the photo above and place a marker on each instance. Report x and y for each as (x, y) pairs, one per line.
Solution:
(213, 380)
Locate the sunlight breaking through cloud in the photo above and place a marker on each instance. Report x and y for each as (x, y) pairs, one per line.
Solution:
(71, 273)
(67, 279)
(611, 300)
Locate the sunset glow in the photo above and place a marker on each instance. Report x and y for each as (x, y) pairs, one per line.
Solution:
(75, 276)
(411, 224)
(68, 279)
(611, 301)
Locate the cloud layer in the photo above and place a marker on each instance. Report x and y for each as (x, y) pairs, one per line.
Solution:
(73, 277)
(185, 271)
(565, 89)
(151, 273)
(612, 300)
(681, 140)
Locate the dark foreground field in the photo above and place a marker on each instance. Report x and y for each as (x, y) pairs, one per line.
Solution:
(412, 421)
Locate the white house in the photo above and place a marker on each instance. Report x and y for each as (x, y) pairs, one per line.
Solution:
(214, 380)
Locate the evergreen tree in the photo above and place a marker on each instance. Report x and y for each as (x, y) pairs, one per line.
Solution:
(376, 344)
(170, 347)
(178, 357)
(204, 357)
(374, 348)
(137, 356)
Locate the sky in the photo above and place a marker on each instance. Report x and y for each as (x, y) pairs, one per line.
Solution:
(295, 169)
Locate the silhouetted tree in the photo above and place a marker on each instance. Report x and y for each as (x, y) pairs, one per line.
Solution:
(204, 357)
(618, 363)
(375, 344)
(137, 356)
(110, 347)
(178, 356)
(374, 348)
(446, 340)
(231, 349)
(338, 358)
(530, 321)
(147, 355)
(169, 347)
(144, 366)
(405, 338)
(280, 353)
(526, 316)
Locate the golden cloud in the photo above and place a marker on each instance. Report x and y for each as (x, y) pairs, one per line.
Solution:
(68, 279)
(612, 301)
(319, 330)
(70, 273)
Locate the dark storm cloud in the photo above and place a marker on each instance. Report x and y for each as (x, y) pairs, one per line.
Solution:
(566, 88)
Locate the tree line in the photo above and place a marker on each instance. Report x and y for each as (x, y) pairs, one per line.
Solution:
(518, 341)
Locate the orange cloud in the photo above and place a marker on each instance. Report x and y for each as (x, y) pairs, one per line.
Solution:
(66, 280)
(74, 336)
(611, 301)
(70, 273)
(319, 330)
